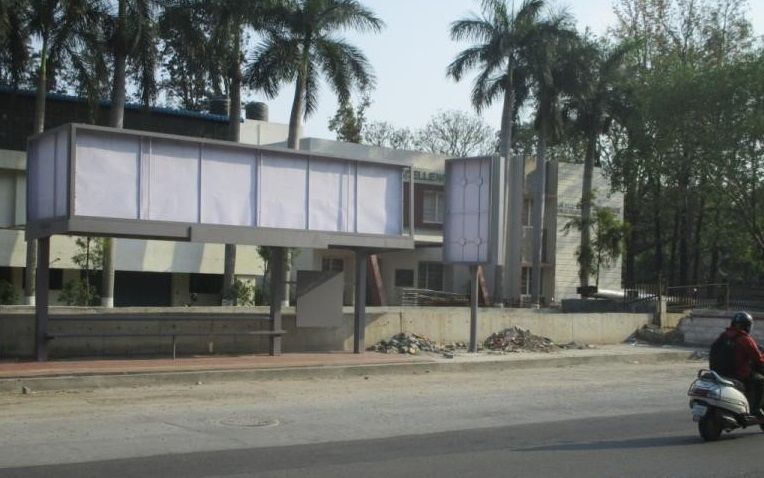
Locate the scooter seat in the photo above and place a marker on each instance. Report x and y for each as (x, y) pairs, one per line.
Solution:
(733, 382)
(729, 381)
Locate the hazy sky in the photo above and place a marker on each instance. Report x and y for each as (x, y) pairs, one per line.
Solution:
(410, 57)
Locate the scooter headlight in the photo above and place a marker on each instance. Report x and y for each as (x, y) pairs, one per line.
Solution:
(705, 390)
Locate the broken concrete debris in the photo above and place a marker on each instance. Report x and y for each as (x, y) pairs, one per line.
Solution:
(516, 339)
(513, 339)
(407, 344)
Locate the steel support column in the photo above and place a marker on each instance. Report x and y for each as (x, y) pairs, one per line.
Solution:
(41, 299)
(473, 308)
(278, 265)
(359, 313)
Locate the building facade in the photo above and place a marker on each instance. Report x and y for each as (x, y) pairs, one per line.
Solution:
(164, 273)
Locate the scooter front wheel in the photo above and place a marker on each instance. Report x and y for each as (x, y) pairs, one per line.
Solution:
(710, 426)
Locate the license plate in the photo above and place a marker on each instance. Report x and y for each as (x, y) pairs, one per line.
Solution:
(698, 411)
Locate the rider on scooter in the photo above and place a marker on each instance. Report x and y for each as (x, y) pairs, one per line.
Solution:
(747, 359)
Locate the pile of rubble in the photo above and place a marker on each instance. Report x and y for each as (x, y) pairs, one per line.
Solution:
(516, 339)
(407, 344)
(513, 339)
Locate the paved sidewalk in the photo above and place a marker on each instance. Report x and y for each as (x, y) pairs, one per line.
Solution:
(73, 374)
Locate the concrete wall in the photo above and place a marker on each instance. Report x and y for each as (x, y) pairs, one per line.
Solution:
(443, 325)
(702, 327)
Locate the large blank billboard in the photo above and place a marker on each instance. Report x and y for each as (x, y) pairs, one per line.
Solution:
(110, 176)
(473, 224)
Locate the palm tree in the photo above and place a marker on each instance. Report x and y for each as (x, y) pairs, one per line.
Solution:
(300, 46)
(61, 28)
(502, 38)
(14, 39)
(130, 37)
(222, 31)
(303, 45)
(551, 75)
(597, 101)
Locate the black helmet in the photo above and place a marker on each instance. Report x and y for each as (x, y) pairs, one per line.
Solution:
(743, 321)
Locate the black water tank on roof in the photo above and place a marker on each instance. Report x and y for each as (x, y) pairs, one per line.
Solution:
(256, 111)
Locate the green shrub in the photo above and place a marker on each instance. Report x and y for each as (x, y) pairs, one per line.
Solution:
(79, 292)
(8, 295)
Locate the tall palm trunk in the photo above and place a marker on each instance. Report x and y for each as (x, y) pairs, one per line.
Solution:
(116, 120)
(538, 215)
(658, 231)
(295, 117)
(513, 203)
(696, 260)
(505, 148)
(234, 134)
(30, 277)
(585, 251)
(293, 142)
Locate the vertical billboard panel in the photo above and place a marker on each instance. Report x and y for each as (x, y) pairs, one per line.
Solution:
(46, 177)
(331, 191)
(282, 192)
(379, 205)
(173, 179)
(229, 178)
(62, 174)
(106, 176)
(472, 230)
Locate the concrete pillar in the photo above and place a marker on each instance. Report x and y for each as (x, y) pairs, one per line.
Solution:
(278, 266)
(359, 313)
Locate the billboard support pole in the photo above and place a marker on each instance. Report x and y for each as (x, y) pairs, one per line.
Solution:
(41, 299)
(473, 307)
(277, 290)
(359, 303)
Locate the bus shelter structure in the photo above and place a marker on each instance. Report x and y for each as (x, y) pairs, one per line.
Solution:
(90, 180)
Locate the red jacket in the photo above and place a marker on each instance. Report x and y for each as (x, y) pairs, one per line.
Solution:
(748, 358)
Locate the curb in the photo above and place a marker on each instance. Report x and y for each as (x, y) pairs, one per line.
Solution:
(144, 379)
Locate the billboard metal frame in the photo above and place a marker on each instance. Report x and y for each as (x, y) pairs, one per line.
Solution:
(195, 232)
(69, 223)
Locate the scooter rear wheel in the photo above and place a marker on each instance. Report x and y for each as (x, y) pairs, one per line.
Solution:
(710, 426)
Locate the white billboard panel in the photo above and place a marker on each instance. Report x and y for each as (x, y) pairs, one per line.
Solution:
(472, 229)
(282, 197)
(173, 179)
(380, 197)
(62, 174)
(331, 198)
(106, 177)
(229, 179)
(46, 177)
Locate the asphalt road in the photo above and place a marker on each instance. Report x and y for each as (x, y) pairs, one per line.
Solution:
(654, 445)
(588, 421)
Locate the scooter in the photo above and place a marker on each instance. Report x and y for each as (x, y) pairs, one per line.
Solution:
(719, 404)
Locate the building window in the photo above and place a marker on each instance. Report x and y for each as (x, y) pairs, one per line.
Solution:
(430, 276)
(527, 211)
(205, 283)
(332, 264)
(55, 279)
(404, 277)
(433, 207)
(6, 274)
(525, 281)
